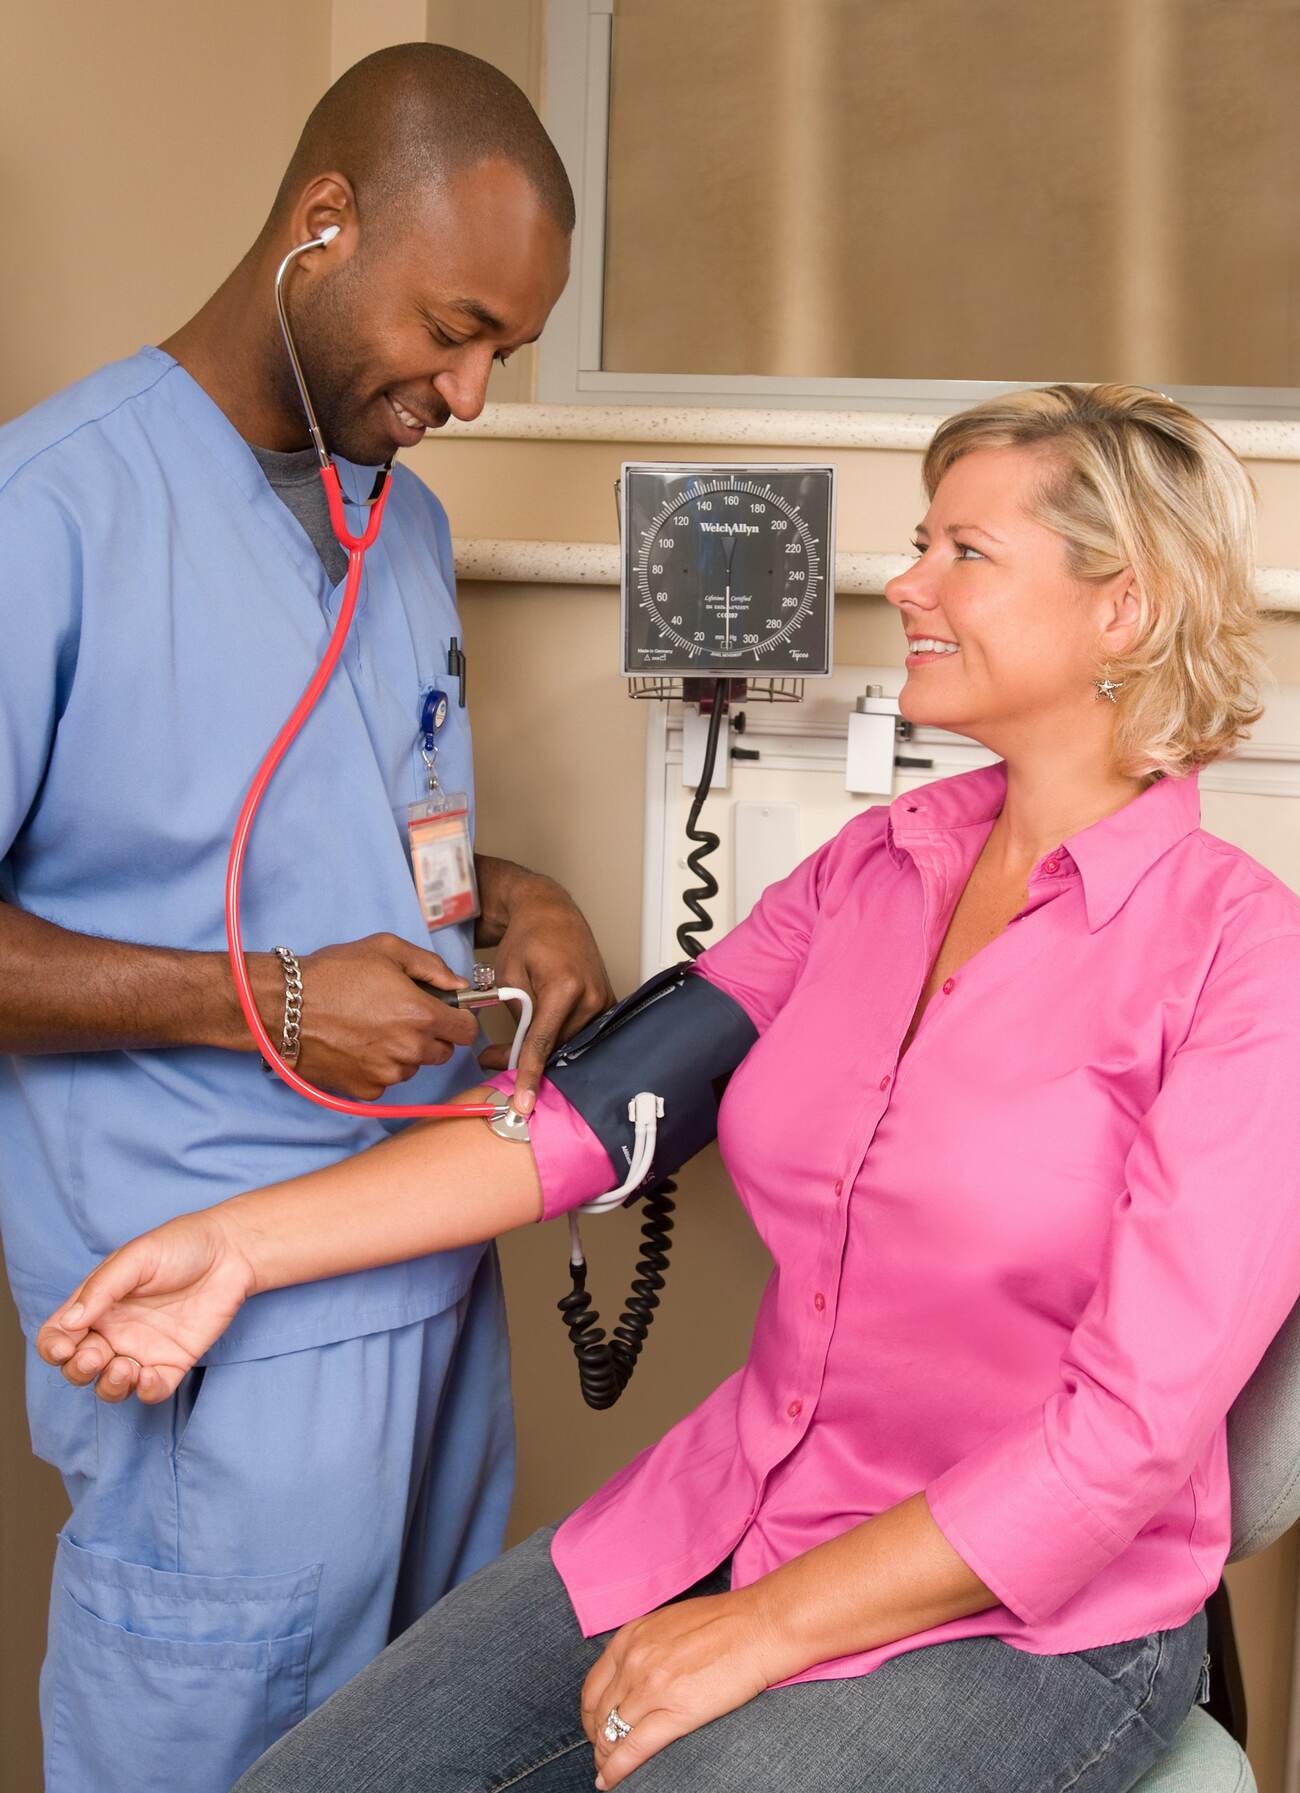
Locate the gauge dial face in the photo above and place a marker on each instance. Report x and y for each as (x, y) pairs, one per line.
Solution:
(725, 569)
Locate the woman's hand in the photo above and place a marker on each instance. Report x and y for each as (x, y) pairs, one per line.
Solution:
(151, 1310)
(671, 1672)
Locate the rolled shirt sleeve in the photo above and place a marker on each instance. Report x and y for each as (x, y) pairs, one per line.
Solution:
(572, 1165)
(1201, 1269)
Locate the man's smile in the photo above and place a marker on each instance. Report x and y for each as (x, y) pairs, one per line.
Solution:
(413, 425)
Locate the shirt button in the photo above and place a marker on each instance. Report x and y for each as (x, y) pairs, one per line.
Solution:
(1051, 865)
(839, 1186)
(885, 1081)
(949, 985)
(795, 1409)
(819, 1301)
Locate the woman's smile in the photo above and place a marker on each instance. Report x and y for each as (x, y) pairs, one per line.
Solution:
(926, 650)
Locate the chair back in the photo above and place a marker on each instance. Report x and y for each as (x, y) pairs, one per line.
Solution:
(1264, 1446)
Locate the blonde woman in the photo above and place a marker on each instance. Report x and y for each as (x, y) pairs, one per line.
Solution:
(1020, 1132)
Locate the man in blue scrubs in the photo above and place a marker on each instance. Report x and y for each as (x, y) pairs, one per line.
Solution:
(345, 1454)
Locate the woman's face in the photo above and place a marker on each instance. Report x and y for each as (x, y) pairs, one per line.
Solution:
(1028, 633)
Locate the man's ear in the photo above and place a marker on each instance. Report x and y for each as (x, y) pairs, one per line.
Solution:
(328, 203)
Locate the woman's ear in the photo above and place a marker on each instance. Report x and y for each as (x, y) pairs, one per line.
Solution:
(1121, 612)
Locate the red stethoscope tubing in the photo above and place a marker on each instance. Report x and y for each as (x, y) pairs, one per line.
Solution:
(356, 547)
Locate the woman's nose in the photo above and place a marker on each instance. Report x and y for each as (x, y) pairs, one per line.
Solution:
(909, 585)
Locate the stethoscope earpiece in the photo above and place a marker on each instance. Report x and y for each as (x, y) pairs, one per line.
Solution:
(322, 241)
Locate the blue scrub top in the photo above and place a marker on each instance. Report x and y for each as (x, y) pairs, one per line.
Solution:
(160, 613)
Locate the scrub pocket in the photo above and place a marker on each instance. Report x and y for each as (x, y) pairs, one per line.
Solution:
(146, 1667)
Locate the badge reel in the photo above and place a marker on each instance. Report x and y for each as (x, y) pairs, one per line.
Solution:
(442, 853)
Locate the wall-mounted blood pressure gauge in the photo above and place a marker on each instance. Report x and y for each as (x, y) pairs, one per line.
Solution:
(727, 569)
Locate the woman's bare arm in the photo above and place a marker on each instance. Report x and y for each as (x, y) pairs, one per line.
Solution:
(145, 1316)
(435, 1185)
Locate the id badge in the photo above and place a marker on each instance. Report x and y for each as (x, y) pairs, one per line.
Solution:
(442, 858)
(437, 825)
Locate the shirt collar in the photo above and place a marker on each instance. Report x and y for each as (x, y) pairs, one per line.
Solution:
(1112, 855)
(210, 423)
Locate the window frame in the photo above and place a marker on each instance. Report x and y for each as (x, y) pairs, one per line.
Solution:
(579, 42)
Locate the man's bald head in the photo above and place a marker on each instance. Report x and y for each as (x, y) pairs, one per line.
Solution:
(449, 216)
(412, 116)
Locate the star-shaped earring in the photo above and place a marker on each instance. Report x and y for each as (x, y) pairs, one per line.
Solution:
(1107, 687)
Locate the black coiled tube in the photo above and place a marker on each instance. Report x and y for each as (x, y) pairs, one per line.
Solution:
(707, 888)
(605, 1366)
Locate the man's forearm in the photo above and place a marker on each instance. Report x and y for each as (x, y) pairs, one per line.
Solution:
(889, 1577)
(65, 992)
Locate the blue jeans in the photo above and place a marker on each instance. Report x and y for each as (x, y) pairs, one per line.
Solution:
(481, 1695)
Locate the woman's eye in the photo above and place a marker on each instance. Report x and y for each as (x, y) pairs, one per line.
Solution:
(503, 355)
(963, 548)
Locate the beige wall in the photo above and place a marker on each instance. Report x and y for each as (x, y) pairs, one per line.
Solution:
(169, 139)
(141, 145)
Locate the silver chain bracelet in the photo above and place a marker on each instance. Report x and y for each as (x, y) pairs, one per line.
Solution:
(291, 1041)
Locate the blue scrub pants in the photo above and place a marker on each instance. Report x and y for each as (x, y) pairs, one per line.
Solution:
(236, 1554)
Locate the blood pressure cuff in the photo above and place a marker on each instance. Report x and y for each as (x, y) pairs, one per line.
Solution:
(678, 1036)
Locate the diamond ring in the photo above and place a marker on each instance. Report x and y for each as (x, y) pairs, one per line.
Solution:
(616, 1728)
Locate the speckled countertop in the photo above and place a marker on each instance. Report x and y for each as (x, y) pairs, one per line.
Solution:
(1258, 439)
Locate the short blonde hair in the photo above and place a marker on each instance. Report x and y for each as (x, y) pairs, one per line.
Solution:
(1133, 479)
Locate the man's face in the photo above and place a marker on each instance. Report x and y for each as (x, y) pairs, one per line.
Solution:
(404, 333)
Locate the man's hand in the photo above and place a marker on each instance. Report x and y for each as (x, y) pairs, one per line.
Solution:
(368, 1021)
(544, 947)
(667, 1674)
(368, 1017)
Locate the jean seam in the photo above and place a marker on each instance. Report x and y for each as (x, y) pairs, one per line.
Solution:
(1155, 1670)
(564, 1750)
(1119, 1730)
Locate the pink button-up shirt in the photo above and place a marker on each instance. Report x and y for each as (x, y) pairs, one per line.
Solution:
(1027, 1267)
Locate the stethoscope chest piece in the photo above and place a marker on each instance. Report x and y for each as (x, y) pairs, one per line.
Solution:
(509, 1125)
